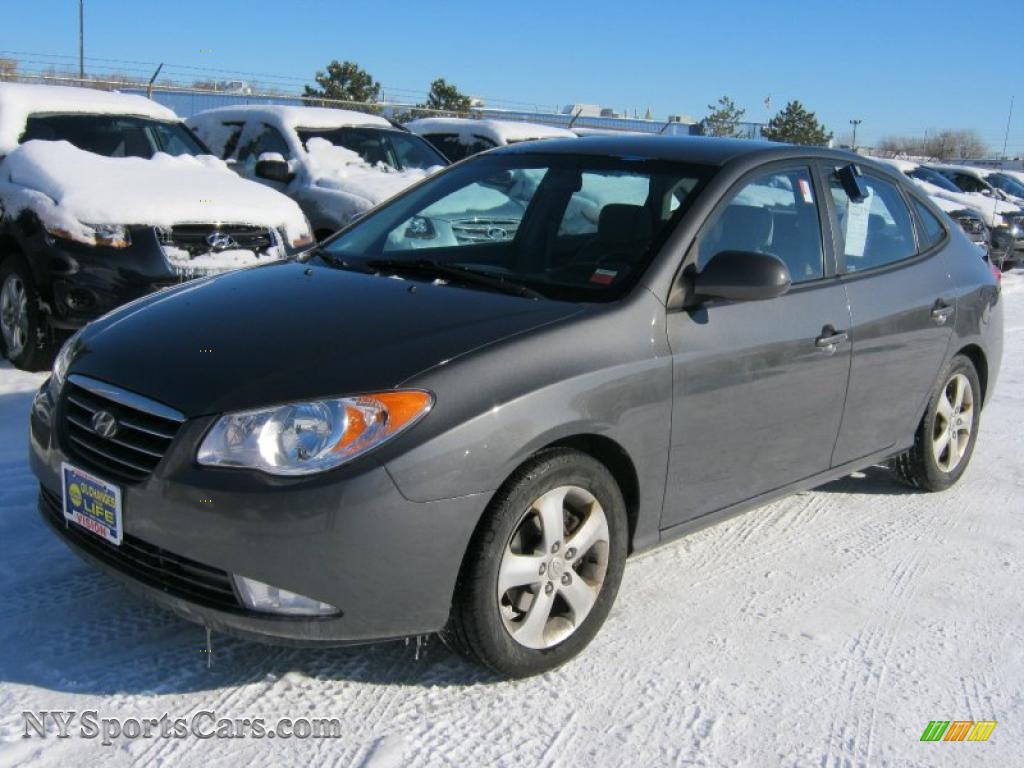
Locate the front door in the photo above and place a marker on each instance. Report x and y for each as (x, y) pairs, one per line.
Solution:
(758, 385)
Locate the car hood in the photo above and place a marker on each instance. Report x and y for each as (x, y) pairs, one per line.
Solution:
(69, 188)
(293, 331)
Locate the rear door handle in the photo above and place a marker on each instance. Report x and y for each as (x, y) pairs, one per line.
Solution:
(830, 338)
(941, 312)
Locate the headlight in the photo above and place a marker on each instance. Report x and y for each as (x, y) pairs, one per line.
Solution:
(420, 228)
(305, 438)
(62, 362)
(107, 235)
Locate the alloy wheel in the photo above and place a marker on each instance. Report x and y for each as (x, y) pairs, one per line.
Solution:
(14, 320)
(553, 567)
(954, 420)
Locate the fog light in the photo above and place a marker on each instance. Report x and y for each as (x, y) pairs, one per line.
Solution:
(258, 596)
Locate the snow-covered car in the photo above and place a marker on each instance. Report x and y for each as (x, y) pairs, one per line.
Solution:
(335, 163)
(105, 197)
(1010, 186)
(460, 137)
(972, 181)
(1003, 221)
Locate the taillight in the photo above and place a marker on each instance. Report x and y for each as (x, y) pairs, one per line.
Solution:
(997, 272)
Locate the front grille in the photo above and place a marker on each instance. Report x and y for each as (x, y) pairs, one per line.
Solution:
(151, 565)
(971, 225)
(484, 230)
(145, 429)
(194, 238)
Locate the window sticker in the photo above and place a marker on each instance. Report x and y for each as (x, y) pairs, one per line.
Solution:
(805, 191)
(857, 215)
(603, 276)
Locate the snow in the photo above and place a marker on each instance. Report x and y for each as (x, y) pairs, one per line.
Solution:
(288, 119)
(337, 168)
(19, 100)
(826, 629)
(501, 132)
(69, 188)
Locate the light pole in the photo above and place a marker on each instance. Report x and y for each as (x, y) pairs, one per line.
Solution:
(855, 123)
(81, 39)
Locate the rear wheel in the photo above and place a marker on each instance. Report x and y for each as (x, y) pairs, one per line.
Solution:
(24, 338)
(544, 566)
(945, 438)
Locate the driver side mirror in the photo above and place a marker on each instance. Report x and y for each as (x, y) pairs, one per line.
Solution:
(273, 167)
(742, 276)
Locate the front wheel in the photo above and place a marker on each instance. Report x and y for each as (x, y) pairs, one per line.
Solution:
(945, 438)
(543, 568)
(24, 339)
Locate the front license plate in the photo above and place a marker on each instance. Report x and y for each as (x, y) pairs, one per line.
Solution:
(92, 503)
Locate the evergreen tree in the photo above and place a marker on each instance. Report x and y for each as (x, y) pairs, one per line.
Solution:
(795, 125)
(345, 81)
(723, 119)
(446, 97)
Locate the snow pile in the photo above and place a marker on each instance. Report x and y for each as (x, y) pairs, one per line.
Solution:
(19, 100)
(501, 132)
(339, 169)
(70, 189)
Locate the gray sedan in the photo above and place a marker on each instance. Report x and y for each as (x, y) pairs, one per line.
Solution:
(411, 430)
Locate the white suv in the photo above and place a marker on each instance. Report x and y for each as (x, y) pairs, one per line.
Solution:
(335, 163)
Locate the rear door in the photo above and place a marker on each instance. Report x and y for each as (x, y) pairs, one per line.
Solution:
(902, 305)
(759, 385)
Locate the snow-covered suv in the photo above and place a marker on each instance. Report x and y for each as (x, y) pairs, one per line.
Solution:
(335, 163)
(105, 197)
(460, 137)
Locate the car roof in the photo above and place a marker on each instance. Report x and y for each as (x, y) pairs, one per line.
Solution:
(703, 150)
(294, 117)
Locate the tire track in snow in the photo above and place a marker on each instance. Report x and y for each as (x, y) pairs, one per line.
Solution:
(865, 663)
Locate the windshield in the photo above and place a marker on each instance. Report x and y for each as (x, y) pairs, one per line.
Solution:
(1007, 184)
(577, 228)
(934, 177)
(114, 135)
(396, 148)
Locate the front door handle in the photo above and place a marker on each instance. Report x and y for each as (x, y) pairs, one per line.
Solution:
(941, 312)
(830, 338)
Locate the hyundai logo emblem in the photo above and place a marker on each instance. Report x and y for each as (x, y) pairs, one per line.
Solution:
(104, 424)
(219, 241)
(497, 233)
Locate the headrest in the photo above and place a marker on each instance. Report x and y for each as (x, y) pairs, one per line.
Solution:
(623, 223)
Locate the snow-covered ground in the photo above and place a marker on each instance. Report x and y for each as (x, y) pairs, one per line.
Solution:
(824, 630)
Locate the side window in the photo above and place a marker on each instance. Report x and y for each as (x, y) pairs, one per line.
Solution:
(776, 214)
(876, 231)
(968, 183)
(932, 230)
(267, 139)
(232, 133)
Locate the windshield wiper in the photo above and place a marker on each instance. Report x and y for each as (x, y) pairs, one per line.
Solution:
(456, 273)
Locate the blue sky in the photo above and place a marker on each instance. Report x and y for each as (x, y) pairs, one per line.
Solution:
(902, 66)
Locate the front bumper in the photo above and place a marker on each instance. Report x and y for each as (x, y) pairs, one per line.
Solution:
(348, 538)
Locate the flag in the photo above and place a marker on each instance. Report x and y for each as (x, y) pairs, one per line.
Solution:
(768, 102)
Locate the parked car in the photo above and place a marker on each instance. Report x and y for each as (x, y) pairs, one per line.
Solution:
(105, 197)
(470, 439)
(1009, 185)
(459, 137)
(1010, 235)
(335, 163)
(1003, 221)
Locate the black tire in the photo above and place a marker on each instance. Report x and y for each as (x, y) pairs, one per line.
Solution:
(38, 351)
(476, 628)
(919, 467)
